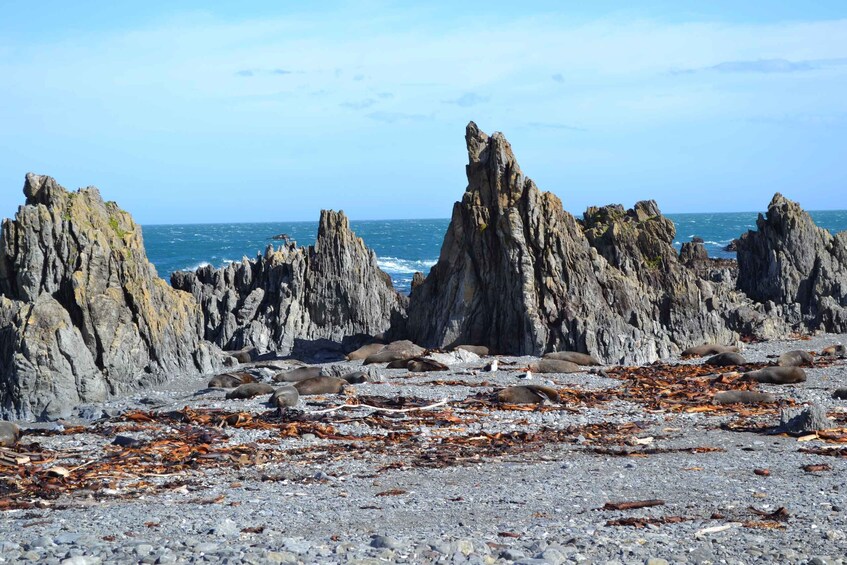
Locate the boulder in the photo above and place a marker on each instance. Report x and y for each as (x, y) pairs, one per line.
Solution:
(328, 296)
(83, 313)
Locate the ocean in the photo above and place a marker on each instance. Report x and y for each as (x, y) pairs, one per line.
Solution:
(402, 246)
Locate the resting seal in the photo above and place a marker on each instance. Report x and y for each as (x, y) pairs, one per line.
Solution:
(230, 380)
(394, 351)
(298, 374)
(249, 390)
(726, 360)
(574, 357)
(356, 377)
(285, 397)
(9, 434)
(743, 397)
(480, 350)
(708, 349)
(527, 394)
(554, 366)
(796, 358)
(365, 351)
(777, 375)
(320, 385)
(836, 350)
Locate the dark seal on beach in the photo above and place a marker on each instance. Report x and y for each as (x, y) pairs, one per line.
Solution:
(9, 434)
(230, 380)
(777, 375)
(365, 351)
(743, 397)
(726, 360)
(836, 350)
(796, 358)
(708, 349)
(395, 351)
(298, 374)
(356, 377)
(285, 397)
(480, 350)
(321, 385)
(574, 357)
(249, 390)
(554, 366)
(527, 394)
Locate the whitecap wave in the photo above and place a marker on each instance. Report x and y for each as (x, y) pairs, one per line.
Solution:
(408, 266)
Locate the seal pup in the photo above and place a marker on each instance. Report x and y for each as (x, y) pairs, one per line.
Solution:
(554, 366)
(480, 350)
(249, 390)
(743, 397)
(365, 351)
(285, 397)
(708, 349)
(836, 350)
(424, 365)
(726, 360)
(574, 357)
(527, 394)
(777, 375)
(321, 385)
(298, 374)
(9, 433)
(356, 377)
(796, 358)
(230, 380)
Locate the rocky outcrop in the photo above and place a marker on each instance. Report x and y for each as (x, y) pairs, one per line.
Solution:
(330, 295)
(83, 314)
(794, 264)
(522, 276)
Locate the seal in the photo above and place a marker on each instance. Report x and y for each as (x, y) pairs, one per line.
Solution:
(9, 433)
(395, 351)
(708, 349)
(321, 385)
(423, 365)
(777, 375)
(244, 355)
(285, 397)
(554, 366)
(230, 380)
(574, 357)
(249, 390)
(356, 377)
(365, 351)
(298, 374)
(836, 350)
(527, 394)
(726, 360)
(743, 397)
(796, 358)
(480, 350)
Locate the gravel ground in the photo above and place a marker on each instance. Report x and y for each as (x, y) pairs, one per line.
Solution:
(327, 500)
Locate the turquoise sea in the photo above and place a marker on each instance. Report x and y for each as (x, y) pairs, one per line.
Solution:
(402, 246)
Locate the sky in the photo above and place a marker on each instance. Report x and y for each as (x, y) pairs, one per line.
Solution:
(204, 112)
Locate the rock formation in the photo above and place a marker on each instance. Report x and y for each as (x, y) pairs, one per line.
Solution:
(303, 299)
(522, 276)
(83, 313)
(792, 263)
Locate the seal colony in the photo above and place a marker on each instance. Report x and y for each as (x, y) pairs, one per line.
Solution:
(600, 341)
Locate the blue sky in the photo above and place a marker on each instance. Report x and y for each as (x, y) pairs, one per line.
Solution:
(215, 112)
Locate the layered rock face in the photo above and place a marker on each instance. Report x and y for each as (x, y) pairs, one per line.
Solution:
(298, 299)
(83, 313)
(796, 265)
(522, 276)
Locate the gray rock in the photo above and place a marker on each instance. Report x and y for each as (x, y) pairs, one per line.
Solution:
(225, 528)
(791, 261)
(519, 275)
(385, 542)
(85, 312)
(804, 420)
(326, 296)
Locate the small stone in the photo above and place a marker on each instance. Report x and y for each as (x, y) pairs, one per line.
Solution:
(281, 557)
(656, 561)
(143, 549)
(206, 547)
(804, 420)
(464, 546)
(226, 528)
(42, 541)
(384, 542)
(82, 560)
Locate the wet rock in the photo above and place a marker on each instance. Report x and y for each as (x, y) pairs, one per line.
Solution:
(85, 312)
(324, 297)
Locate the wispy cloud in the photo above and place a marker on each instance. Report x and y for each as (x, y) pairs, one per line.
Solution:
(394, 117)
(358, 104)
(244, 73)
(768, 66)
(468, 99)
(254, 72)
(558, 77)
